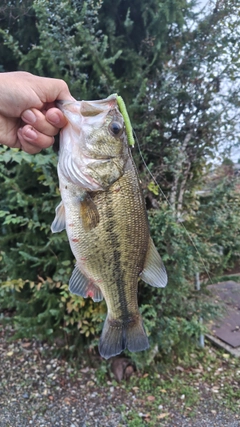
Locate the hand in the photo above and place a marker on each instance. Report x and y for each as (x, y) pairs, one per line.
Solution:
(28, 116)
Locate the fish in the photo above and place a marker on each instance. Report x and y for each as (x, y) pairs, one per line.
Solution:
(104, 214)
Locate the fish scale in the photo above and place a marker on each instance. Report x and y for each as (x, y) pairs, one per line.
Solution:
(118, 223)
(103, 211)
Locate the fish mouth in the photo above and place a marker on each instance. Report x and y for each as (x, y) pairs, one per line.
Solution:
(88, 108)
(61, 104)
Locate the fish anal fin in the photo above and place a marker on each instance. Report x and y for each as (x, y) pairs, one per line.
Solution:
(118, 336)
(59, 222)
(154, 272)
(84, 287)
(89, 214)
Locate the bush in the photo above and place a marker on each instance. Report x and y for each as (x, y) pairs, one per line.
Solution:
(41, 264)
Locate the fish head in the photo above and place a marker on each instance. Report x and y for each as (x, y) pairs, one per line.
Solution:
(93, 144)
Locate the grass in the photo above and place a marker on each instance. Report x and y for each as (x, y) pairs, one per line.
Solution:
(207, 376)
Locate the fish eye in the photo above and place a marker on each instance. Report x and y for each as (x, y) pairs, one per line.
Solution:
(116, 128)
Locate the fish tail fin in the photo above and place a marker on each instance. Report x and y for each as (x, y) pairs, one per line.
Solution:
(118, 336)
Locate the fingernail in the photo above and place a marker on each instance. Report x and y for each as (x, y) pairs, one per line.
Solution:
(30, 134)
(29, 117)
(53, 118)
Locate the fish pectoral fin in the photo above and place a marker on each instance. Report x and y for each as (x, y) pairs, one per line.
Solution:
(89, 214)
(154, 272)
(117, 336)
(59, 222)
(84, 287)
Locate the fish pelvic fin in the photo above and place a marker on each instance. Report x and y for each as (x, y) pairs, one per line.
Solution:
(89, 213)
(84, 287)
(154, 272)
(59, 222)
(118, 336)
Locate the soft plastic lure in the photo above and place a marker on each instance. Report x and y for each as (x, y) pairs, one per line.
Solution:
(123, 111)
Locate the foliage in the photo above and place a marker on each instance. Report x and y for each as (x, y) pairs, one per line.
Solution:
(171, 64)
(219, 212)
(15, 41)
(47, 311)
(71, 47)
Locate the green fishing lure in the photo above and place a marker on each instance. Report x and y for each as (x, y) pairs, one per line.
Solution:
(123, 111)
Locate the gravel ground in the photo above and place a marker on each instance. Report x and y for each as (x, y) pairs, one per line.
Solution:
(40, 391)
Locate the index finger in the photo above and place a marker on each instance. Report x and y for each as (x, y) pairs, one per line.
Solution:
(53, 89)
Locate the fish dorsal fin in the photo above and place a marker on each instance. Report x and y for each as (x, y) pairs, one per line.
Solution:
(154, 272)
(84, 287)
(59, 222)
(89, 213)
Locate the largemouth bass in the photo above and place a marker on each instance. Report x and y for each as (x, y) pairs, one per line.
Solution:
(104, 214)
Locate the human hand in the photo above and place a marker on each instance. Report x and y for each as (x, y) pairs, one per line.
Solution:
(28, 116)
